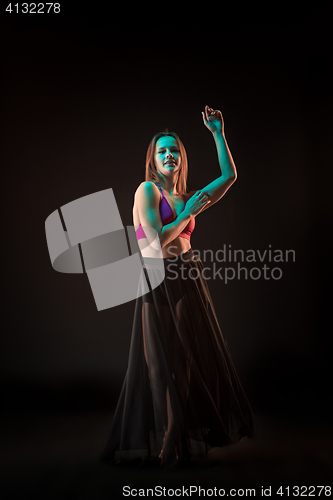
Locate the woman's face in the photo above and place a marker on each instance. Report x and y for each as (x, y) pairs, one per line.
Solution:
(167, 155)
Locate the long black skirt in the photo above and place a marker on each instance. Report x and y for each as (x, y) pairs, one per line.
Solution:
(181, 392)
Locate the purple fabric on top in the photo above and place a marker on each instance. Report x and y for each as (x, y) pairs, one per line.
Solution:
(167, 217)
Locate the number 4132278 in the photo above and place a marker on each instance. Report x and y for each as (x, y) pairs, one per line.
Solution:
(34, 8)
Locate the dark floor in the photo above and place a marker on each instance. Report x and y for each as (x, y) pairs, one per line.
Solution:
(57, 457)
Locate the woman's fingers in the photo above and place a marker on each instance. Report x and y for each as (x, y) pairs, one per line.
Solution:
(204, 118)
(213, 113)
(203, 197)
(210, 114)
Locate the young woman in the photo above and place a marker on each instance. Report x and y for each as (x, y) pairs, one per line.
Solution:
(181, 393)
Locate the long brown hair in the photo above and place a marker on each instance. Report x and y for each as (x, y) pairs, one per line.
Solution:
(151, 171)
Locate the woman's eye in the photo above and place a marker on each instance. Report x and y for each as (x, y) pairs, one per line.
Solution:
(174, 151)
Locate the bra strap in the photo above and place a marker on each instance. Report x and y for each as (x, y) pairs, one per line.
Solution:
(160, 189)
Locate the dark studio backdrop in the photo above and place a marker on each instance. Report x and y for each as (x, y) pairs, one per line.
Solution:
(82, 95)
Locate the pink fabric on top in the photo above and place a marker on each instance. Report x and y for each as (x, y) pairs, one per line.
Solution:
(167, 217)
(140, 233)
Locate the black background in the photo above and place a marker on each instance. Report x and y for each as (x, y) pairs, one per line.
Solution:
(82, 94)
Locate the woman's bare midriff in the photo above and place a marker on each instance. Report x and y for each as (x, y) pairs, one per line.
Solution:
(176, 247)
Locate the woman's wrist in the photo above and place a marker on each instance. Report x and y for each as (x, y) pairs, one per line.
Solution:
(218, 134)
(185, 215)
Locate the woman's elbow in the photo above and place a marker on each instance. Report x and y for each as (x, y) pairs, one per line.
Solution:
(233, 177)
(230, 178)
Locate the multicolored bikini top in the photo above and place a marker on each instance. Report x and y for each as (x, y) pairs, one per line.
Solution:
(167, 217)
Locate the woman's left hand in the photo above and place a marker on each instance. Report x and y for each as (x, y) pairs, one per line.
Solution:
(213, 120)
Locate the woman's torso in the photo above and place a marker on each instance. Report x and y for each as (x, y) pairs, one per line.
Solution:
(177, 246)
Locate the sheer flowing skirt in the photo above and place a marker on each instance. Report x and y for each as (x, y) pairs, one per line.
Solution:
(181, 390)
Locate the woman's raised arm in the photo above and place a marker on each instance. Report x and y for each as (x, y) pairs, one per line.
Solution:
(216, 189)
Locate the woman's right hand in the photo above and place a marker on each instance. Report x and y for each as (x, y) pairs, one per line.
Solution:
(196, 203)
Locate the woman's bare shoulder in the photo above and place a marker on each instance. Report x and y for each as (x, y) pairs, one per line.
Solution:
(146, 188)
(143, 186)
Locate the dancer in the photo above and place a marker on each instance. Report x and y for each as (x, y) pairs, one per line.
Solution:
(181, 392)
